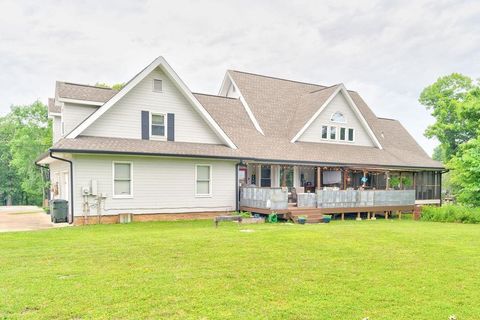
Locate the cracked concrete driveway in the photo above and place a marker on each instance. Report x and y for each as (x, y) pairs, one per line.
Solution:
(25, 218)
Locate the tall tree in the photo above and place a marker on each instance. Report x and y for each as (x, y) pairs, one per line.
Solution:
(449, 100)
(465, 177)
(27, 133)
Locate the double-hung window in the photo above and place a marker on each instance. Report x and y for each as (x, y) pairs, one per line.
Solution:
(351, 135)
(333, 133)
(157, 125)
(203, 180)
(343, 134)
(122, 179)
(324, 132)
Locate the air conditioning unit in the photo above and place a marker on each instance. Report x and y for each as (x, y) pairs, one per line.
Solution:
(125, 217)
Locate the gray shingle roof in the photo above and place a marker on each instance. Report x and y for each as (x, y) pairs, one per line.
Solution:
(52, 107)
(68, 90)
(282, 107)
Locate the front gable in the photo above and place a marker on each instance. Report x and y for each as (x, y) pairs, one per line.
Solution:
(338, 115)
(124, 119)
(123, 116)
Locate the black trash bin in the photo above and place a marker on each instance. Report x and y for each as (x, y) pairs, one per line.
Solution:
(59, 210)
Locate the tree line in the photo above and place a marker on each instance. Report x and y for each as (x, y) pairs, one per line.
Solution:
(25, 133)
(454, 101)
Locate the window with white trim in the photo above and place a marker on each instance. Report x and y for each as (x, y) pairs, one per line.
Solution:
(333, 133)
(351, 134)
(157, 125)
(343, 134)
(122, 179)
(157, 85)
(203, 177)
(324, 132)
(338, 117)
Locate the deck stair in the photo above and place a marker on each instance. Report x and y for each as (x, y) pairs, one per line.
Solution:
(313, 215)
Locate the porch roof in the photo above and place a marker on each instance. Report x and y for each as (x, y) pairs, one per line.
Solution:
(273, 150)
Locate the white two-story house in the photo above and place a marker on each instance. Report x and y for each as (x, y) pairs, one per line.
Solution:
(157, 151)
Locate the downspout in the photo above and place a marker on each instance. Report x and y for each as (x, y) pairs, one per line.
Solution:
(71, 183)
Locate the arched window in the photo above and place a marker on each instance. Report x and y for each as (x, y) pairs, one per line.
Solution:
(338, 117)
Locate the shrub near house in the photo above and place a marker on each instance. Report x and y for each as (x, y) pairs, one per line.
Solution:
(450, 213)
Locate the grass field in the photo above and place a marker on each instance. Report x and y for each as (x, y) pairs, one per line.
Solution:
(190, 270)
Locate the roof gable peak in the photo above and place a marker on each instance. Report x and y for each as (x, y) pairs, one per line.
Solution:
(339, 89)
(181, 86)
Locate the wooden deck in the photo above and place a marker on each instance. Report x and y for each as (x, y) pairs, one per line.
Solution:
(317, 213)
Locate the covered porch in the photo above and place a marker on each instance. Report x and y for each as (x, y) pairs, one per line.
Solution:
(292, 190)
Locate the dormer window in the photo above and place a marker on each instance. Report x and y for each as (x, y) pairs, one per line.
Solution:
(338, 117)
(157, 85)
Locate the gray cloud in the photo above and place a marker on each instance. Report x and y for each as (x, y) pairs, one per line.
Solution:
(388, 51)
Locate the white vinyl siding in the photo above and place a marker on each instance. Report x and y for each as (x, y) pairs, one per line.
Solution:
(57, 128)
(74, 114)
(314, 133)
(159, 184)
(203, 180)
(123, 120)
(122, 179)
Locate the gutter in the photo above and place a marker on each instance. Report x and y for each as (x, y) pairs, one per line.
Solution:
(71, 183)
(293, 162)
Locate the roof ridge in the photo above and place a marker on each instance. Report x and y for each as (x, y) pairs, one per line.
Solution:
(86, 85)
(383, 118)
(277, 78)
(321, 89)
(214, 95)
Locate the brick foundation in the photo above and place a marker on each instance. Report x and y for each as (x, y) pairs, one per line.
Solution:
(110, 219)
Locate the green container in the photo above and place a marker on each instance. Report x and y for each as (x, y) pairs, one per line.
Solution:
(326, 219)
(59, 210)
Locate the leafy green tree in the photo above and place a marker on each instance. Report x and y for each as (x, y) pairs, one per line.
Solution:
(465, 176)
(115, 86)
(10, 191)
(453, 101)
(27, 133)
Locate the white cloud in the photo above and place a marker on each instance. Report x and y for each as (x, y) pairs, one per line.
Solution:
(388, 51)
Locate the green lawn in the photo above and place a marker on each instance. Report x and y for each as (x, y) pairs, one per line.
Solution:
(190, 270)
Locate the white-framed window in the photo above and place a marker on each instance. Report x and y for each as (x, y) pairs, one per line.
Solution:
(338, 117)
(157, 85)
(158, 125)
(343, 134)
(122, 179)
(333, 133)
(203, 180)
(324, 132)
(351, 135)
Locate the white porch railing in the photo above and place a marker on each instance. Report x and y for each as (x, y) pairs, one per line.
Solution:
(264, 198)
(356, 198)
(277, 198)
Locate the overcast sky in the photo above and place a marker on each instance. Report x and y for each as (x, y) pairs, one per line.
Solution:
(388, 51)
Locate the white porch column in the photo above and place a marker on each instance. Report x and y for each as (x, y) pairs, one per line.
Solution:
(296, 177)
(275, 175)
(259, 176)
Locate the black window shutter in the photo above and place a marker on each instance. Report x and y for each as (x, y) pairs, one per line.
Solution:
(171, 127)
(145, 125)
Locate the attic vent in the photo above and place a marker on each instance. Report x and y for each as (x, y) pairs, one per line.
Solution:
(157, 85)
